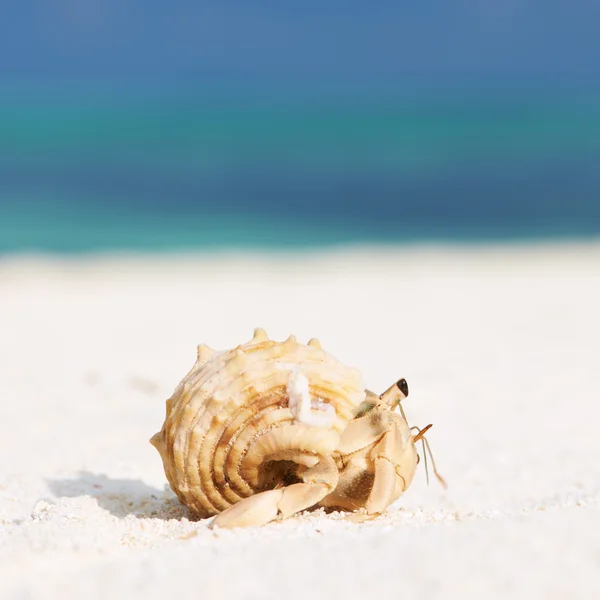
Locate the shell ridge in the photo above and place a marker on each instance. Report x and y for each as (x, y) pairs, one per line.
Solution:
(228, 437)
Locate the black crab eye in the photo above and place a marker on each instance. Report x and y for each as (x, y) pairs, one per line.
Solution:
(402, 386)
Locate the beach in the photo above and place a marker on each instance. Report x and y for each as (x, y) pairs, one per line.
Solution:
(500, 345)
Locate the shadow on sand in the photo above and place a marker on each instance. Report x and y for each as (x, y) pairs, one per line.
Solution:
(121, 497)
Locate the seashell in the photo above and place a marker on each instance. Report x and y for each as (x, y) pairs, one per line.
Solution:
(259, 417)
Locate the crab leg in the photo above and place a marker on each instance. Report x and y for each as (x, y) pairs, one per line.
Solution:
(262, 508)
(384, 491)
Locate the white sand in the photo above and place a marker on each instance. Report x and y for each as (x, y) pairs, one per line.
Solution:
(501, 349)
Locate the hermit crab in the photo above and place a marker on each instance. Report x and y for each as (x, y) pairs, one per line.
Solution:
(268, 429)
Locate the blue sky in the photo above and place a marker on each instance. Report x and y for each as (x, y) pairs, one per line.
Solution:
(528, 40)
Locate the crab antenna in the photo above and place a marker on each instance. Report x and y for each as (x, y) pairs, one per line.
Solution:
(422, 432)
(439, 477)
(401, 411)
(427, 449)
(425, 460)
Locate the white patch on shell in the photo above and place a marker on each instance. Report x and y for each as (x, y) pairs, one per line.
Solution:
(315, 413)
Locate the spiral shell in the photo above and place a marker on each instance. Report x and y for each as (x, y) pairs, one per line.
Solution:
(244, 420)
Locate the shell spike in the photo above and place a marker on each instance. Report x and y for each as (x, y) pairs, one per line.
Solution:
(291, 341)
(260, 335)
(315, 343)
(158, 440)
(205, 353)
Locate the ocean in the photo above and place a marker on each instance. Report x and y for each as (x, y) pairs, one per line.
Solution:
(193, 174)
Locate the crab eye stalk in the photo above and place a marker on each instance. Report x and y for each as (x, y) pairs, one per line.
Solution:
(402, 386)
(395, 393)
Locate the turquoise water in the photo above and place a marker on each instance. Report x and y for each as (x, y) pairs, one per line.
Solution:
(138, 175)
